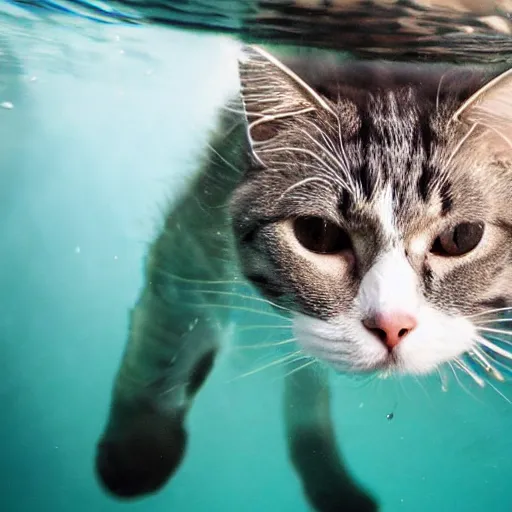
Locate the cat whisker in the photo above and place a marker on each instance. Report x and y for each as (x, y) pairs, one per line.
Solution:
(498, 339)
(268, 114)
(335, 178)
(218, 155)
(262, 326)
(295, 356)
(341, 350)
(305, 151)
(240, 111)
(493, 347)
(499, 363)
(234, 308)
(489, 312)
(202, 281)
(495, 331)
(495, 321)
(263, 98)
(500, 393)
(461, 385)
(301, 367)
(334, 158)
(468, 371)
(341, 157)
(303, 182)
(234, 282)
(257, 346)
(241, 296)
(479, 357)
(454, 369)
(443, 379)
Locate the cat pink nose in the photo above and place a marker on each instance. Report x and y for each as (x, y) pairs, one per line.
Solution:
(390, 328)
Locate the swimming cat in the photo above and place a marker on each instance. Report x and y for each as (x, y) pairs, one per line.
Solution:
(371, 203)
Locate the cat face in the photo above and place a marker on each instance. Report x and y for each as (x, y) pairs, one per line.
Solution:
(379, 215)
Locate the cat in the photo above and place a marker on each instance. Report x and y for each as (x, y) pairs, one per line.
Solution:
(368, 201)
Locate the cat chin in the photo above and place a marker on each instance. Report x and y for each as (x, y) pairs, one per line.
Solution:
(344, 345)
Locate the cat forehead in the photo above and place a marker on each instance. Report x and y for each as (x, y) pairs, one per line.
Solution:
(375, 138)
(389, 146)
(369, 143)
(386, 182)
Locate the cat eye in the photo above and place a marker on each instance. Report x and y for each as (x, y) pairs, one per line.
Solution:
(459, 239)
(320, 236)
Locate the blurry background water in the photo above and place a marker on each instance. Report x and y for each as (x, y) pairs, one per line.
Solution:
(98, 126)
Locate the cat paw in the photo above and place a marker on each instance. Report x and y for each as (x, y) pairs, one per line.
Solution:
(139, 458)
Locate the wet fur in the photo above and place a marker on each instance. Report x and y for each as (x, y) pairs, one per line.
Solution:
(395, 130)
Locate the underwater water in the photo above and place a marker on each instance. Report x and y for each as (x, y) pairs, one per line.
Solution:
(99, 126)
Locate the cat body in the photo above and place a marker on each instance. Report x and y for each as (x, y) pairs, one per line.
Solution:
(367, 202)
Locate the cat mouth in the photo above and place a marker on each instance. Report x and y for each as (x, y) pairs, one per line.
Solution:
(358, 362)
(358, 365)
(389, 365)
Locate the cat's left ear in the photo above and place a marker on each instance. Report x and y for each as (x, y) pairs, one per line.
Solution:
(491, 108)
(272, 94)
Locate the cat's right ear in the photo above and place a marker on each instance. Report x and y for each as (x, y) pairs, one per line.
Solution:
(272, 94)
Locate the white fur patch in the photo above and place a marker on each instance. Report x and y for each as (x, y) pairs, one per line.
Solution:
(345, 345)
(385, 211)
(391, 285)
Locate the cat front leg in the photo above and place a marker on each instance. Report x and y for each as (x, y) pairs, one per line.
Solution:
(312, 446)
(170, 353)
(176, 329)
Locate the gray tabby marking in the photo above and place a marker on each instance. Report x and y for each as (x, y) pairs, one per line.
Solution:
(372, 202)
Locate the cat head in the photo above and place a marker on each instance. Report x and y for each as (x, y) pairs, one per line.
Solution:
(377, 207)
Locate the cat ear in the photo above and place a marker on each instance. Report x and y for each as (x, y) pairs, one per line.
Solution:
(491, 107)
(271, 92)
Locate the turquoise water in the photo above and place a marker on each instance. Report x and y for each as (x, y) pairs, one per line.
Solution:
(98, 127)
